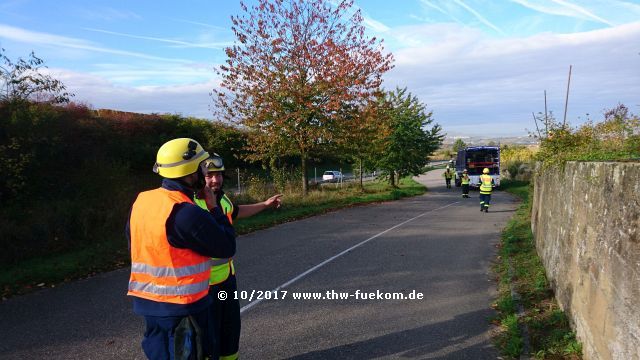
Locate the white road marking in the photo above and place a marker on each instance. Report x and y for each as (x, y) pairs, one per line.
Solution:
(309, 271)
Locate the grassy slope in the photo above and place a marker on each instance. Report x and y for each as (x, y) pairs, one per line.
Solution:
(550, 335)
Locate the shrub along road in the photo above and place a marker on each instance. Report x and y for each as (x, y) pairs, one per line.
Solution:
(438, 244)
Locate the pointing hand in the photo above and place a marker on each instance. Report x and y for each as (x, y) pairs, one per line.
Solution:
(273, 201)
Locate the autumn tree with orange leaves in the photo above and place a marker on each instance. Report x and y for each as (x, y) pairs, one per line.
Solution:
(294, 68)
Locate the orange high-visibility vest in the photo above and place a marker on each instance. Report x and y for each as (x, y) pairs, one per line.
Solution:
(159, 271)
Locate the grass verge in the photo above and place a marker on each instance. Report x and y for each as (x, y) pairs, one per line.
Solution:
(550, 335)
(112, 253)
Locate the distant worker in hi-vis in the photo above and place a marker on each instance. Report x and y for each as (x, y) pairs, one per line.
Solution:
(486, 186)
(464, 181)
(448, 175)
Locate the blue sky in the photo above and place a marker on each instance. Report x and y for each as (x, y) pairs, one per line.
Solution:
(480, 66)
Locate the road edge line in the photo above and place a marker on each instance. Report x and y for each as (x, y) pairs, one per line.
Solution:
(316, 267)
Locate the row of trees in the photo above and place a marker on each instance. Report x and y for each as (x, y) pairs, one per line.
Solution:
(70, 174)
(302, 82)
(306, 81)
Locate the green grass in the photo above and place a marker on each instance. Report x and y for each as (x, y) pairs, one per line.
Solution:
(518, 188)
(317, 202)
(47, 272)
(111, 254)
(550, 334)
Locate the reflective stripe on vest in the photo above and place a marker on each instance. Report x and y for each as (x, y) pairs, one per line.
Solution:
(159, 271)
(221, 267)
(182, 290)
(227, 207)
(162, 271)
(485, 184)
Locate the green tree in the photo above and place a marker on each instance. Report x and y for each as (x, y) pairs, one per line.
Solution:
(458, 145)
(409, 142)
(25, 80)
(363, 130)
(295, 66)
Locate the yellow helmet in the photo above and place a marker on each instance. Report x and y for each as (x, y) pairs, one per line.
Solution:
(214, 163)
(485, 171)
(179, 157)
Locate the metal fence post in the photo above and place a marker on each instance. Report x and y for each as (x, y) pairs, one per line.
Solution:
(238, 180)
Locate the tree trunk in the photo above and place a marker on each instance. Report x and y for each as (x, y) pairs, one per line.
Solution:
(392, 178)
(303, 167)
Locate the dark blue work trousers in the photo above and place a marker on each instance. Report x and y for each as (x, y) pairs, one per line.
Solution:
(177, 337)
(225, 317)
(485, 200)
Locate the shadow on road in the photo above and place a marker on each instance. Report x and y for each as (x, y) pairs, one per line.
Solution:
(430, 341)
(501, 211)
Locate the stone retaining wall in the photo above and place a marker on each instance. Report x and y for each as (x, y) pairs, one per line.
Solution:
(586, 221)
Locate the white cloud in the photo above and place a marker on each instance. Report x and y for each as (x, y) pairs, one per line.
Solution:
(53, 41)
(215, 27)
(478, 16)
(164, 40)
(562, 8)
(368, 21)
(430, 4)
(109, 14)
(188, 99)
(468, 78)
(375, 25)
(475, 84)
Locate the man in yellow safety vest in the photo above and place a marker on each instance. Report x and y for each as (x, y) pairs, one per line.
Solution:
(486, 186)
(464, 181)
(225, 309)
(448, 175)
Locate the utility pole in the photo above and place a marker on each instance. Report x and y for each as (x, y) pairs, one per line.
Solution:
(546, 118)
(536, 122)
(566, 101)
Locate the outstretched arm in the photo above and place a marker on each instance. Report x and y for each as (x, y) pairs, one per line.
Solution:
(245, 211)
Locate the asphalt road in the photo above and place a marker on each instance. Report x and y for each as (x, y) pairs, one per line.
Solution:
(439, 245)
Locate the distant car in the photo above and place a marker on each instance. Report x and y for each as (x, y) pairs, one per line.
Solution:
(332, 176)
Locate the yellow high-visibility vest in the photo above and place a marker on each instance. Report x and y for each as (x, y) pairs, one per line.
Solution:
(221, 267)
(485, 184)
